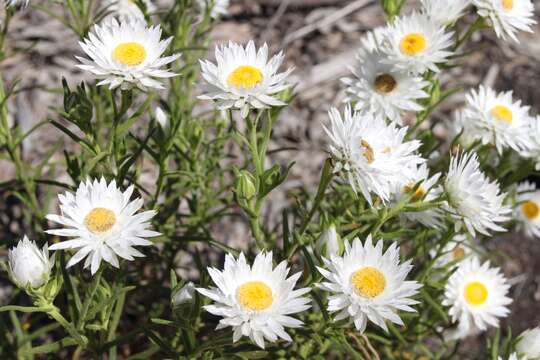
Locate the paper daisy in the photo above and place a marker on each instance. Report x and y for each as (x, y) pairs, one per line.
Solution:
(369, 154)
(104, 223)
(426, 191)
(527, 212)
(533, 149)
(126, 9)
(496, 119)
(416, 44)
(528, 344)
(444, 12)
(218, 9)
(455, 251)
(507, 16)
(244, 78)
(476, 295)
(127, 54)
(256, 301)
(382, 89)
(474, 200)
(367, 284)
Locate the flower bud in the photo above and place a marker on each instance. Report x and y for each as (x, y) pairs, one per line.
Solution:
(28, 265)
(245, 187)
(330, 242)
(162, 118)
(528, 345)
(184, 294)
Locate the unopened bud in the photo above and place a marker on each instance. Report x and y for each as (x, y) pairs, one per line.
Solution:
(245, 186)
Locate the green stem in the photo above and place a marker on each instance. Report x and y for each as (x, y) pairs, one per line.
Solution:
(114, 323)
(478, 24)
(88, 299)
(80, 339)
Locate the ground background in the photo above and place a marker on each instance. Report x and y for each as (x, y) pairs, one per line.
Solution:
(319, 38)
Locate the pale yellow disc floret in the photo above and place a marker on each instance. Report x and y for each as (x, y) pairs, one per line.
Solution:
(129, 53)
(100, 220)
(530, 209)
(245, 76)
(413, 44)
(502, 113)
(368, 282)
(254, 296)
(475, 293)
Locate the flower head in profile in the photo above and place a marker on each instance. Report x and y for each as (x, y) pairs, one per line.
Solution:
(29, 266)
(497, 119)
(416, 44)
(507, 16)
(126, 9)
(369, 154)
(382, 89)
(527, 211)
(528, 344)
(218, 8)
(424, 188)
(256, 301)
(104, 223)
(127, 54)
(533, 150)
(367, 284)
(244, 78)
(474, 200)
(444, 12)
(477, 295)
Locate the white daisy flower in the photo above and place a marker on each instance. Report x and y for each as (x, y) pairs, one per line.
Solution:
(474, 200)
(127, 54)
(126, 9)
(219, 7)
(513, 356)
(455, 251)
(244, 78)
(256, 301)
(533, 150)
(380, 88)
(104, 223)
(369, 154)
(367, 284)
(527, 212)
(19, 3)
(507, 16)
(416, 44)
(427, 191)
(496, 119)
(528, 344)
(445, 12)
(476, 295)
(29, 266)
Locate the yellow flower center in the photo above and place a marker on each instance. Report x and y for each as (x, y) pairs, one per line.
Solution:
(368, 282)
(100, 220)
(255, 296)
(130, 53)
(385, 83)
(508, 4)
(458, 253)
(418, 194)
(530, 209)
(501, 112)
(413, 44)
(368, 151)
(476, 293)
(245, 76)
